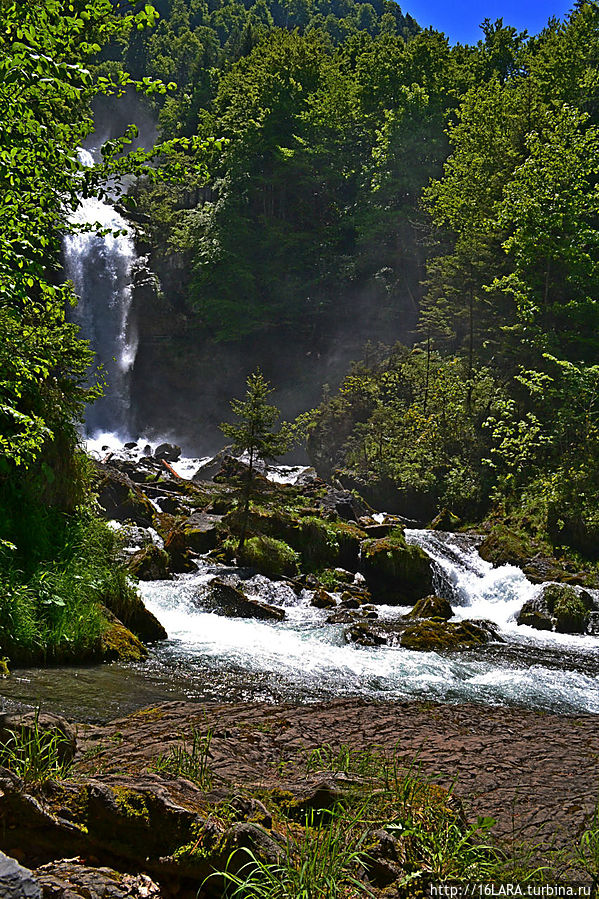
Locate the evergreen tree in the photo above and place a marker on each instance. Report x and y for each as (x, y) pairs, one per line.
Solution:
(254, 433)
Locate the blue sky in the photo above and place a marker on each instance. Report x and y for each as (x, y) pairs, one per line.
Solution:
(459, 19)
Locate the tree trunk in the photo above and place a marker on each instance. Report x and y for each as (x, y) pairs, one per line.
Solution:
(245, 514)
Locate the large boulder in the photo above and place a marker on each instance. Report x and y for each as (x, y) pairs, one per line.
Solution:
(320, 543)
(558, 607)
(178, 551)
(201, 531)
(432, 607)
(268, 556)
(396, 573)
(224, 599)
(167, 451)
(570, 608)
(535, 613)
(425, 635)
(445, 521)
(342, 503)
(121, 499)
(150, 564)
(119, 644)
(130, 610)
(434, 635)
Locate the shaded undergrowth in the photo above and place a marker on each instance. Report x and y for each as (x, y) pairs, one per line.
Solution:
(51, 607)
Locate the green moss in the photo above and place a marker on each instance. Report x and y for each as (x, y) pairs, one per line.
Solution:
(271, 557)
(131, 803)
(151, 714)
(569, 608)
(204, 843)
(69, 801)
(435, 635)
(119, 644)
(394, 571)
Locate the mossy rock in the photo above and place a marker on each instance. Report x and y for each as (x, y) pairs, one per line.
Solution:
(569, 608)
(504, 547)
(150, 564)
(224, 599)
(320, 543)
(271, 557)
(395, 572)
(432, 607)
(323, 600)
(119, 644)
(445, 521)
(432, 635)
(128, 607)
(201, 531)
(535, 613)
(121, 499)
(558, 607)
(178, 551)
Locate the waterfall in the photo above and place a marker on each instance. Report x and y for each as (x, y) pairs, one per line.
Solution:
(473, 586)
(101, 268)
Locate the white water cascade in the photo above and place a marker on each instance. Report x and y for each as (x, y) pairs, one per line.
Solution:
(101, 268)
(306, 657)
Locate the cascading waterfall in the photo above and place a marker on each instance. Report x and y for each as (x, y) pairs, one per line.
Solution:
(209, 657)
(101, 268)
(473, 586)
(304, 656)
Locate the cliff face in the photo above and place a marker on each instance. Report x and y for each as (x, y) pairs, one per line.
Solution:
(183, 379)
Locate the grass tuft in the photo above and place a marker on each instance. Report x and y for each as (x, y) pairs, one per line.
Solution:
(191, 763)
(35, 755)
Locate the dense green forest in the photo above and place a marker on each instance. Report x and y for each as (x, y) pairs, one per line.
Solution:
(326, 166)
(446, 196)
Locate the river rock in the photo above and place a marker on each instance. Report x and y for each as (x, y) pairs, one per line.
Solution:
(207, 471)
(121, 499)
(130, 610)
(150, 564)
(17, 882)
(434, 635)
(323, 600)
(343, 503)
(558, 607)
(170, 452)
(118, 643)
(178, 551)
(570, 608)
(431, 607)
(201, 531)
(133, 538)
(426, 635)
(224, 599)
(445, 521)
(396, 573)
(535, 613)
(71, 879)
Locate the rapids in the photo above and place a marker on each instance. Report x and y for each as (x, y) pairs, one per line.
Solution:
(213, 658)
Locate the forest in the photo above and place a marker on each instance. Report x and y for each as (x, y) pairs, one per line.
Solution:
(440, 202)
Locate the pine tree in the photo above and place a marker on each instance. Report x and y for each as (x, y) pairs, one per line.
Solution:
(253, 433)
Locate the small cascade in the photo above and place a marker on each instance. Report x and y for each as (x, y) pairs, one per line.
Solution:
(102, 269)
(473, 586)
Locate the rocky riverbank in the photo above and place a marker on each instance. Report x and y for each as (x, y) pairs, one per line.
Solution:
(307, 537)
(165, 796)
